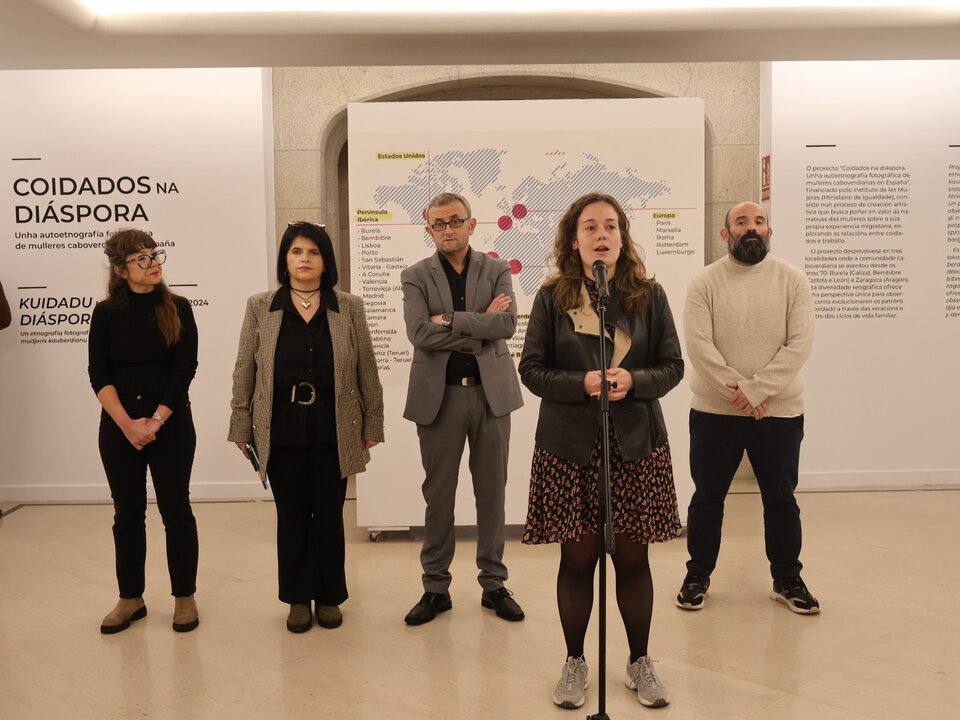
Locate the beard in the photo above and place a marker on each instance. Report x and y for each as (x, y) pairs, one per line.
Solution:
(750, 248)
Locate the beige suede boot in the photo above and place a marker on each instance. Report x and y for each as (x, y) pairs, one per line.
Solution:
(126, 611)
(185, 614)
(329, 616)
(300, 618)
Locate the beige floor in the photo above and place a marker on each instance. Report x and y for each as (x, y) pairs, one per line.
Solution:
(886, 646)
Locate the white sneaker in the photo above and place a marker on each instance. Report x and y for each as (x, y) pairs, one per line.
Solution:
(642, 678)
(569, 692)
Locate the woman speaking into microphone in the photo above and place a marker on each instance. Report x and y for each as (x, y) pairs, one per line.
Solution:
(307, 398)
(561, 364)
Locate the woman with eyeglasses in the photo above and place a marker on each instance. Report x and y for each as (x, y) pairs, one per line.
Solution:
(142, 357)
(307, 406)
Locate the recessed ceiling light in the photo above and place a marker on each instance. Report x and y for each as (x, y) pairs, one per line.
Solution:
(136, 7)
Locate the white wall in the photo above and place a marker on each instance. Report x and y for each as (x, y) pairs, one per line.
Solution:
(195, 139)
(866, 198)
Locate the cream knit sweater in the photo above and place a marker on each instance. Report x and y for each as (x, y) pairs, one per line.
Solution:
(749, 324)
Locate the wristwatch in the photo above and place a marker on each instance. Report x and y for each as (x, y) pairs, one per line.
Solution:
(446, 319)
(158, 417)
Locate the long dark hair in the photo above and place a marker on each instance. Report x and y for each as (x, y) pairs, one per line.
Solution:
(630, 280)
(116, 248)
(316, 234)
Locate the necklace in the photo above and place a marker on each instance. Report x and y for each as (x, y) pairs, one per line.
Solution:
(305, 299)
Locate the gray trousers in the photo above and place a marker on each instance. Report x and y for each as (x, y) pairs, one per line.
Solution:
(464, 416)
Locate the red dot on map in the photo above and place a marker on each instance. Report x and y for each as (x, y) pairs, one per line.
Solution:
(515, 267)
(505, 222)
(519, 211)
(493, 254)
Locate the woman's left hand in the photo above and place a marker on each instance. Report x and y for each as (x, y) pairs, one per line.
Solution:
(367, 444)
(623, 379)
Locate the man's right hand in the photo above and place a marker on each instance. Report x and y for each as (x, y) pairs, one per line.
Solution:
(739, 401)
(501, 303)
(243, 449)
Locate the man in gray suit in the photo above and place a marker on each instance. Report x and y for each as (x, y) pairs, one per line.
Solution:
(459, 311)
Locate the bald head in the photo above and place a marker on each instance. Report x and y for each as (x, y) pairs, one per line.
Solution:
(747, 233)
(742, 211)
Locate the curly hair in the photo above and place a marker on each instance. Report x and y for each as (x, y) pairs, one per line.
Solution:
(630, 280)
(116, 248)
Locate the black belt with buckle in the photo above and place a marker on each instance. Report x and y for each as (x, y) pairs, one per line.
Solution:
(465, 382)
(295, 392)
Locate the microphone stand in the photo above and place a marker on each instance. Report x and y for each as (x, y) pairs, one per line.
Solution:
(607, 541)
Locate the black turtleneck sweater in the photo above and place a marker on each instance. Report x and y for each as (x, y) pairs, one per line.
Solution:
(126, 349)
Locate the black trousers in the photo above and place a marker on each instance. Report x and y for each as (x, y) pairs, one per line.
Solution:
(717, 444)
(309, 495)
(170, 459)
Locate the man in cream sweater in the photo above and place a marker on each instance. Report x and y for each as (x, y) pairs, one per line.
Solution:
(749, 329)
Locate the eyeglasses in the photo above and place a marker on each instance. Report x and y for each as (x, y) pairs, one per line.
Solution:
(441, 225)
(145, 261)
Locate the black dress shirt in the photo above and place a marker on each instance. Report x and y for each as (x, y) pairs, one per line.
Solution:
(460, 365)
(304, 354)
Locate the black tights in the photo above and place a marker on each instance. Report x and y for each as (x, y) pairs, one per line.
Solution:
(578, 562)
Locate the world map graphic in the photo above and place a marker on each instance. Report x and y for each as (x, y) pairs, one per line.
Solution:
(530, 210)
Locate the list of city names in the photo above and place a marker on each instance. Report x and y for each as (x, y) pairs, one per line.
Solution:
(377, 281)
(668, 234)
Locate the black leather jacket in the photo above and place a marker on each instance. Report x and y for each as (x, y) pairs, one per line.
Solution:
(557, 355)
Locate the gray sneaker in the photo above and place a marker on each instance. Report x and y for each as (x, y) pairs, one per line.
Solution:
(642, 678)
(573, 684)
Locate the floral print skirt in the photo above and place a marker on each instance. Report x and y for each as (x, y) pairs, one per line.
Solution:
(564, 503)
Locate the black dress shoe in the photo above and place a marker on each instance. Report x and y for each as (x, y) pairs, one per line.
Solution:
(426, 610)
(499, 601)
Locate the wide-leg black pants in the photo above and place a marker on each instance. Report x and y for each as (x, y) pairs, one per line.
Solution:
(309, 495)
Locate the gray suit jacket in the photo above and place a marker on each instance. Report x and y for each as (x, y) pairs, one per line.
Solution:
(426, 292)
(359, 395)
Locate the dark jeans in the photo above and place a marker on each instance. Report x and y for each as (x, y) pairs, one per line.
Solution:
(717, 444)
(170, 459)
(309, 495)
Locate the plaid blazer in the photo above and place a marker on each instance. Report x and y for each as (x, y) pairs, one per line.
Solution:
(359, 395)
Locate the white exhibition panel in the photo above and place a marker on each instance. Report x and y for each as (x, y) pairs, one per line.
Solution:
(520, 164)
(865, 196)
(179, 153)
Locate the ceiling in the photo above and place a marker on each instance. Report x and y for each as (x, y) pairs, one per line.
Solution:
(36, 34)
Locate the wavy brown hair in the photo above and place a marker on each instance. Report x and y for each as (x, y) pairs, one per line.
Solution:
(630, 280)
(116, 248)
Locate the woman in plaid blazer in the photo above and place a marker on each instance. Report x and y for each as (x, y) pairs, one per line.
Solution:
(308, 399)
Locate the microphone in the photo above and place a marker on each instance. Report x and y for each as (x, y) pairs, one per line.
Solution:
(600, 277)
